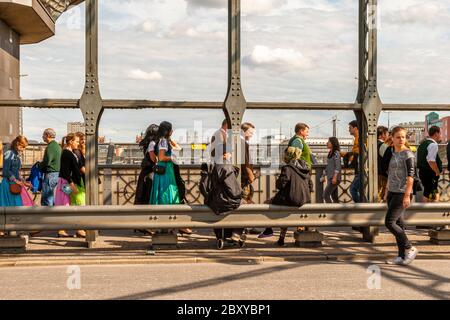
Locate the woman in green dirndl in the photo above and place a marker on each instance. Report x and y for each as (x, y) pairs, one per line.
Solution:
(164, 189)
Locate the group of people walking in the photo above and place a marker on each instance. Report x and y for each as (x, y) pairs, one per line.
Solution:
(400, 174)
(62, 170)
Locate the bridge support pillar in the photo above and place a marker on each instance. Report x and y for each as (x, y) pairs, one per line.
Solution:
(370, 233)
(164, 239)
(441, 236)
(13, 244)
(308, 239)
(372, 106)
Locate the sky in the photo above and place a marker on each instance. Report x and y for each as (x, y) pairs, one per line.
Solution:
(292, 51)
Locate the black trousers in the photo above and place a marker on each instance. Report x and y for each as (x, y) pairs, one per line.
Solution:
(395, 221)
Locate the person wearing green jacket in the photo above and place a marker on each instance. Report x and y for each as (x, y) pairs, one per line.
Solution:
(297, 146)
(297, 149)
(50, 166)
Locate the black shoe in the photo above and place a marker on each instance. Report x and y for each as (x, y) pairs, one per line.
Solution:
(253, 231)
(280, 242)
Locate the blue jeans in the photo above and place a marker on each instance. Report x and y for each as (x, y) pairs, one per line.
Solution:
(354, 189)
(48, 189)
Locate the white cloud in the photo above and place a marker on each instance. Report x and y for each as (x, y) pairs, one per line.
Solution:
(428, 14)
(261, 7)
(138, 74)
(148, 26)
(216, 4)
(278, 57)
(248, 7)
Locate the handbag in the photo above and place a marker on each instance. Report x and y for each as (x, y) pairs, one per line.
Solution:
(15, 189)
(160, 169)
(67, 189)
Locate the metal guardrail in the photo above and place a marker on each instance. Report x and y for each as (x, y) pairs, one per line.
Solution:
(199, 216)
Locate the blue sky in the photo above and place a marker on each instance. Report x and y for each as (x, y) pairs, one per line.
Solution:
(292, 50)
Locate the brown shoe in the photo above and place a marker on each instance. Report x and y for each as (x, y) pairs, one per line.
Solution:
(63, 234)
(34, 233)
(186, 231)
(81, 234)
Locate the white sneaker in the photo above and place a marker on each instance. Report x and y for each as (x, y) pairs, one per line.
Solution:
(396, 261)
(235, 237)
(410, 255)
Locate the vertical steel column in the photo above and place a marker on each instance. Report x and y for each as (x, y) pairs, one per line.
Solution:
(235, 103)
(92, 108)
(362, 89)
(371, 106)
(369, 98)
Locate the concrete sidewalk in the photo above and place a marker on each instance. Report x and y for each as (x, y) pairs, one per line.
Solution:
(127, 247)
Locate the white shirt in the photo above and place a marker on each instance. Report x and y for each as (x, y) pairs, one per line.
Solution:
(433, 149)
(151, 147)
(163, 144)
(218, 144)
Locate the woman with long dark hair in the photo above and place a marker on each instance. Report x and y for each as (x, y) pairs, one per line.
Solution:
(144, 185)
(164, 189)
(81, 155)
(70, 190)
(333, 171)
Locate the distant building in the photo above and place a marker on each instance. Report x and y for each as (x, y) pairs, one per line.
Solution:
(432, 119)
(74, 127)
(415, 131)
(10, 118)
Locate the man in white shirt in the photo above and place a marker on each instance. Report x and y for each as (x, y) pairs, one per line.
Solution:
(219, 149)
(430, 165)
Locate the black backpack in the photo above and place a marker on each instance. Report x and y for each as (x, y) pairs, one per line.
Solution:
(205, 181)
(221, 188)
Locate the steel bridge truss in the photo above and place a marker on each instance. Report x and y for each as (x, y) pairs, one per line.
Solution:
(367, 106)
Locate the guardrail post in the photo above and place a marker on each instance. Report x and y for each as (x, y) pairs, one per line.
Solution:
(107, 177)
(92, 109)
(371, 107)
(11, 243)
(440, 236)
(319, 185)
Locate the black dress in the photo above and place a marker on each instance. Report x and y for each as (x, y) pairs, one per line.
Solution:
(145, 181)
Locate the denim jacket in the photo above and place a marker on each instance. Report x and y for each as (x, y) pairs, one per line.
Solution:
(11, 165)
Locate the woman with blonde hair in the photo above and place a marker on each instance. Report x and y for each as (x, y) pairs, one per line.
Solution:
(399, 191)
(70, 190)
